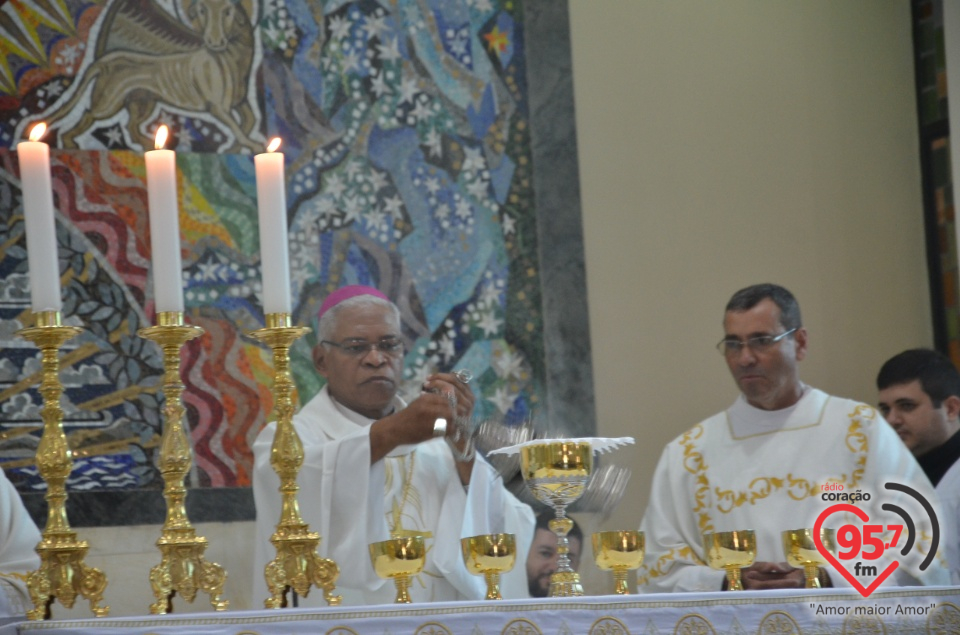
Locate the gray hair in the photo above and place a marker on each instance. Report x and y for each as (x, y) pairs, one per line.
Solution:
(749, 297)
(328, 323)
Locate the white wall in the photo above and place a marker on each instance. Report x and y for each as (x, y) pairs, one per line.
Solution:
(723, 144)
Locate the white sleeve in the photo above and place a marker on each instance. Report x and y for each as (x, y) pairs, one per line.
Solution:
(19, 537)
(672, 539)
(889, 461)
(492, 509)
(520, 521)
(486, 508)
(949, 490)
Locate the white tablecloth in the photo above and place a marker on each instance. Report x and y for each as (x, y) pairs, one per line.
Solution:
(927, 610)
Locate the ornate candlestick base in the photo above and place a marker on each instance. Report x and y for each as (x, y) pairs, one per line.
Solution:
(62, 574)
(297, 566)
(182, 567)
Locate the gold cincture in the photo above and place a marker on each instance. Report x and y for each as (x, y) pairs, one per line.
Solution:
(297, 566)
(556, 473)
(182, 568)
(62, 574)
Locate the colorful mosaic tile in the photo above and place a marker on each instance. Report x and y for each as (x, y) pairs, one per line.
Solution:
(408, 162)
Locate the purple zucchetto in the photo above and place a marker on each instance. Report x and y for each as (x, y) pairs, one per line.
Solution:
(347, 292)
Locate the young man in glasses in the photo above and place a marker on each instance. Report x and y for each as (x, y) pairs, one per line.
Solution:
(766, 462)
(377, 468)
(919, 396)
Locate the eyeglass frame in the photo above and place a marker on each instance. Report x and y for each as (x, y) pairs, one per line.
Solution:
(395, 347)
(756, 344)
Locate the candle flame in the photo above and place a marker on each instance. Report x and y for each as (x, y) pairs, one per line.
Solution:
(274, 144)
(161, 137)
(36, 133)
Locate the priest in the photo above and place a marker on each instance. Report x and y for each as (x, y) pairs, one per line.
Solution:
(777, 459)
(376, 467)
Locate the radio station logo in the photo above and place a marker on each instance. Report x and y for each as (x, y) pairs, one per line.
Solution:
(859, 549)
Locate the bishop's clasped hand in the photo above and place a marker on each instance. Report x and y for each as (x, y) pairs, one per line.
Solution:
(462, 426)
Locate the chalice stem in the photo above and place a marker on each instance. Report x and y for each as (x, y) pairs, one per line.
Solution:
(733, 579)
(812, 574)
(563, 549)
(493, 585)
(561, 526)
(620, 580)
(402, 582)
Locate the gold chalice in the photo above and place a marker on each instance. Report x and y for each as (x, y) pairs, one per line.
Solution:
(731, 551)
(556, 473)
(801, 551)
(399, 559)
(618, 551)
(490, 555)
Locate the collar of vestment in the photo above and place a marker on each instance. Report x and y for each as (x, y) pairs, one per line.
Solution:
(338, 421)
(745, 420)
(937, 461)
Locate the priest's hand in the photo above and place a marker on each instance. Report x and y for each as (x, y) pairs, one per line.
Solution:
(443, 397)
(458, 392)
(449, 385)
(414, 424)
(761, 576)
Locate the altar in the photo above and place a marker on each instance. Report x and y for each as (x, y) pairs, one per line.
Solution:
(926, 610)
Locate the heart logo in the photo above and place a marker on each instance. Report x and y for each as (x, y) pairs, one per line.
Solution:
(862, 515)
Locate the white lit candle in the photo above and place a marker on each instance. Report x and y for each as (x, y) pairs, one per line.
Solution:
(164, 226)
(41, 229)
(272, 212)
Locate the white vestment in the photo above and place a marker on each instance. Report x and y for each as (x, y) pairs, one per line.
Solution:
(747, 468)
(949, 491)
(18, 540)
(352, 503)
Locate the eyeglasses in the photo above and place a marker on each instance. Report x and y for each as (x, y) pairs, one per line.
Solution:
(732, 347)
(390, 347)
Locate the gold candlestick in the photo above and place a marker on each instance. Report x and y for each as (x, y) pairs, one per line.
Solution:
(297, 565)
(62, 574)
(182, 566)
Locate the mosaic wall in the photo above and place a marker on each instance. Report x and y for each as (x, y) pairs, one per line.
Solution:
(406, 137)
